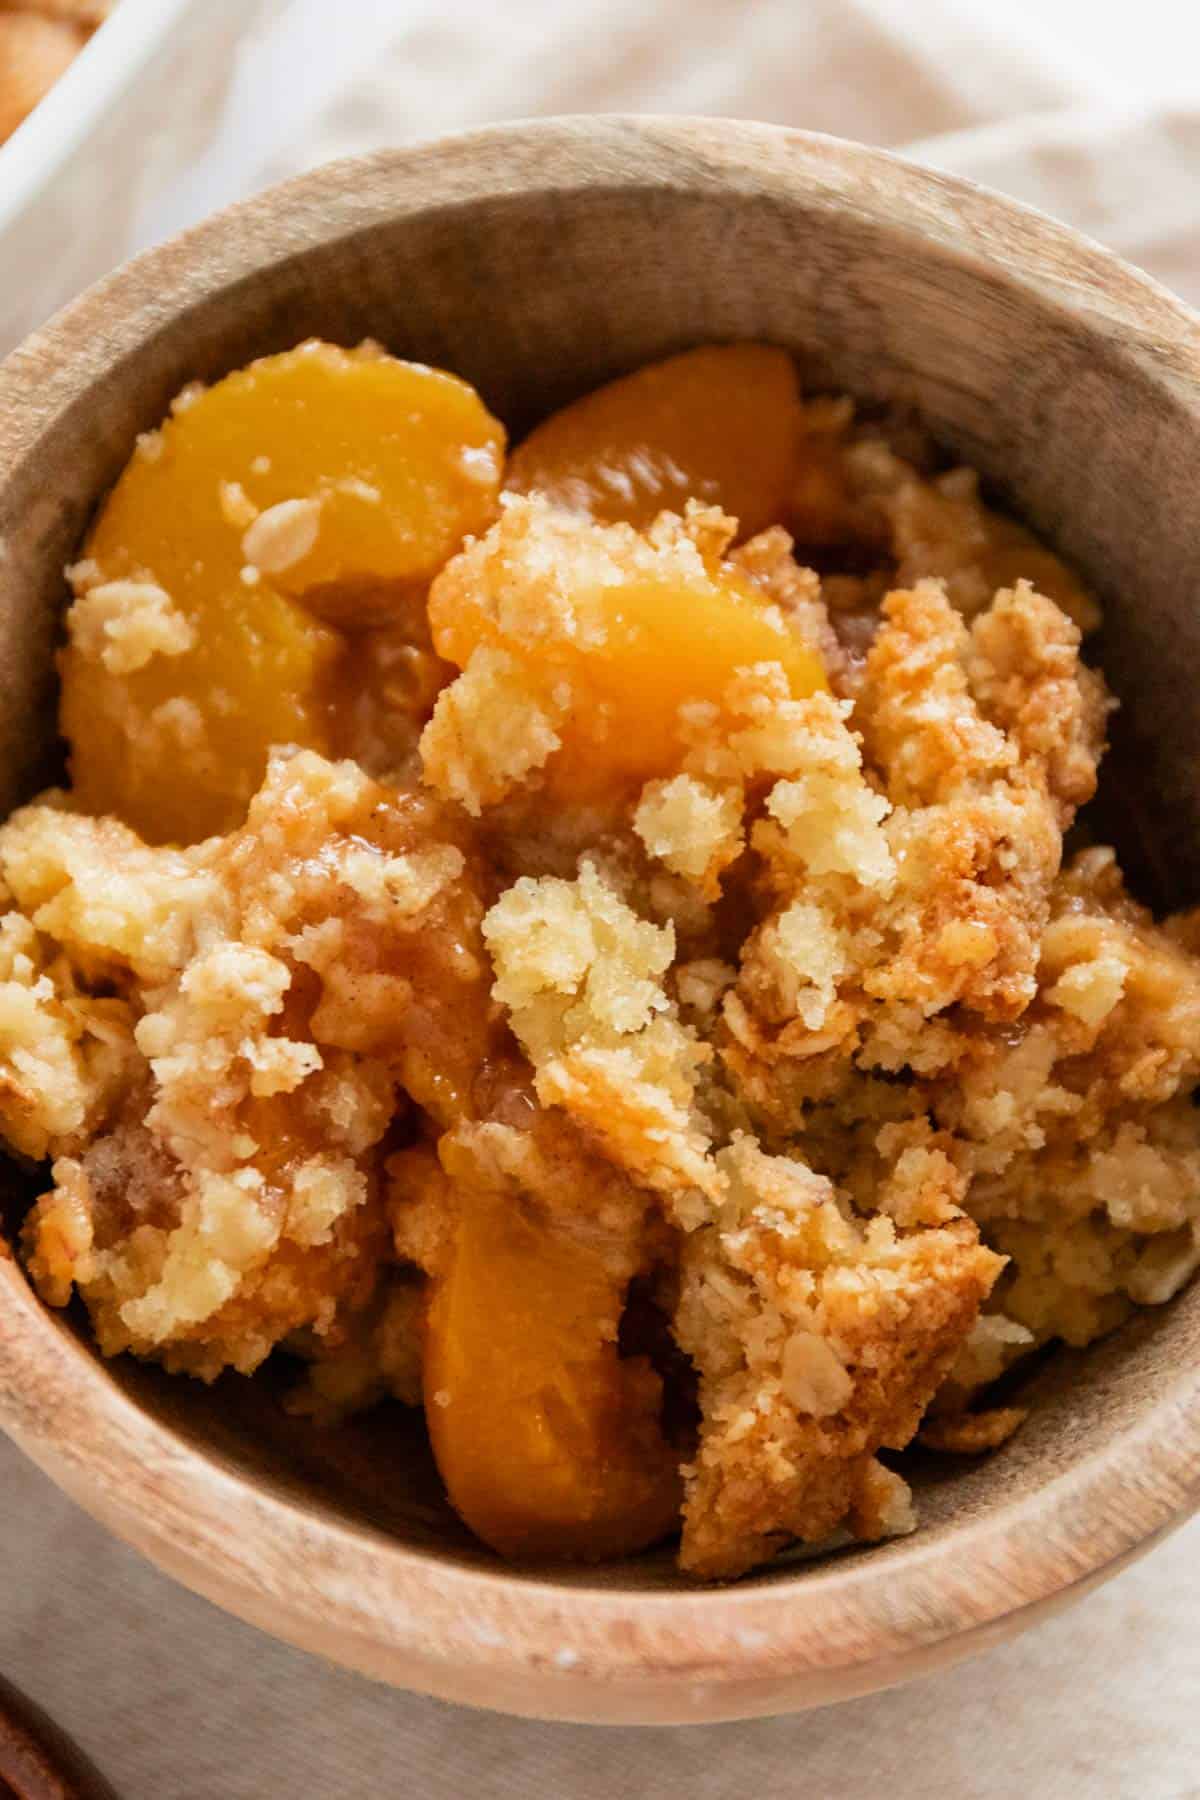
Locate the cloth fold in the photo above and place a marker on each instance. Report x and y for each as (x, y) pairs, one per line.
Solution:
(176, 1701)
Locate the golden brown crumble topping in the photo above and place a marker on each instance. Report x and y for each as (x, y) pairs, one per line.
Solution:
(586, 970)
(39, 40)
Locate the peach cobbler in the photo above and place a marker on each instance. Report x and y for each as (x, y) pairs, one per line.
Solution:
(39, 40)
(579, 939)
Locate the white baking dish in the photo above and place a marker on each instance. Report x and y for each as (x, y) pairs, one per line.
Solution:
(134, 105)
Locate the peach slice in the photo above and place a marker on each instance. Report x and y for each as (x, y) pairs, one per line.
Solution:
(721, 424)
(319, 487)
(613, 632)
(549, 1442)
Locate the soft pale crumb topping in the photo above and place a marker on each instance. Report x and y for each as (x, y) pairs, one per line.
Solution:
(1090, 989)
(490, 729)
(695, 829)
(123, 624)
(575, 966)
(65, 1055)
(581, 976)
(802, 953)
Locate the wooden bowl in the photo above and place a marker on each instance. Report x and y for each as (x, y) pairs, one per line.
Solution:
(37, 1759)
(536, 260)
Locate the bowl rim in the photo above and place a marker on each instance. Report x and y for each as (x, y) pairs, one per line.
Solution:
(497, 1638)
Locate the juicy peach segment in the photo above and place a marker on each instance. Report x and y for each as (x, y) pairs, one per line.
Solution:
(721, 424)
(549, 1443)
(176, 745)
(322, 486)
(611, 632)
(667, 645)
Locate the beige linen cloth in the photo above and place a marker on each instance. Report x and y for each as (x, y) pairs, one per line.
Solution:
(174, 1700)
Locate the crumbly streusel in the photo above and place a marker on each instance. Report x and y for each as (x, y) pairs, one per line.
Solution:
(808, 1026)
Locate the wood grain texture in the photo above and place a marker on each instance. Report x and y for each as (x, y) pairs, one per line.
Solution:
(536, 260)
(37, 1760)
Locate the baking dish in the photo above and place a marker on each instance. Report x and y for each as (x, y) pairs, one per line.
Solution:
(135, 103)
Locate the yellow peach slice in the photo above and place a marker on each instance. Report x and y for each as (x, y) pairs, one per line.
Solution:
(549, 1442)
(617, 632)
(720, 424)
(321, 485)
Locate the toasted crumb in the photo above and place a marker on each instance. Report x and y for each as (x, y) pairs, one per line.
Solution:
(883, 1505)
(817, 1342)
(972, 1434)
(701, 984)
(922, 1186)
(379, 1354)
(242, 1205)
(813, 1377)
(769, 562)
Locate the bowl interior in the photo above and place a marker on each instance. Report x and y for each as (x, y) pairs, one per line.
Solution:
(535, 292)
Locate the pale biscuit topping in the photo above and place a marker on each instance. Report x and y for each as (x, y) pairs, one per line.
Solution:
(490, 729)
(124, 623)
(693, 828)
